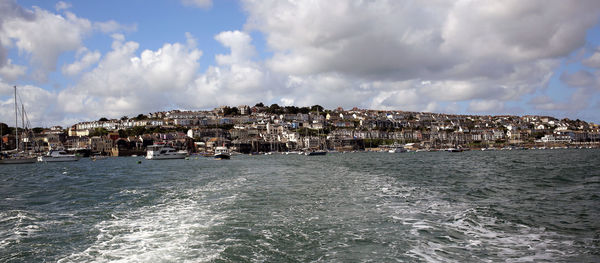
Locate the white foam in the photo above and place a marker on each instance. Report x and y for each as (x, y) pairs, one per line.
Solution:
(175, 229)
(23, 225)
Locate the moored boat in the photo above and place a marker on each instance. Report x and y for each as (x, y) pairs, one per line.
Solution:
(17, 158)
(58, 156)
(221, 153)
(314, 153)
(398, 149)
(162, 152)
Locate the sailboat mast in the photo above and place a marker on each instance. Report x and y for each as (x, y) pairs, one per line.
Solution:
(23, 133)
(16, 122)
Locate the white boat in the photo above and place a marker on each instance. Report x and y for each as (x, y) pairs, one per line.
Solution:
(162, 152)
(58, 156)
(15, 156)
(222, 152)
(398, 149)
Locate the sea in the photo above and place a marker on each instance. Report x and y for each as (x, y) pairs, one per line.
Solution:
(475, 206)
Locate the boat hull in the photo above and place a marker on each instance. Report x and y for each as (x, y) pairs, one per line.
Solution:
(165, 157)
(50, 159)
(18, 160)
(222, 156)
(315, 153)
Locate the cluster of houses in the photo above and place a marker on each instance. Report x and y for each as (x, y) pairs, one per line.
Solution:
(248, 129)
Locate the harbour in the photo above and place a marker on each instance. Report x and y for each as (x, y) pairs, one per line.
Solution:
(411, 207)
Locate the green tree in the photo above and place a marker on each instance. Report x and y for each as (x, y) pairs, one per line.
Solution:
(140, 117)
(275, 109)
(103, 119)
(122, 134)
(316, 108)
(227, 111)
(6, 129)
(124, 118)
(260, 104)
(304, 110)
(99, 132)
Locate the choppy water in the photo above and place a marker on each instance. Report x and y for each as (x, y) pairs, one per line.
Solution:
(515, 206)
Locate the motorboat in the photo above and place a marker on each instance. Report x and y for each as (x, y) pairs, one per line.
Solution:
(162, 152)
(454, 150)
(398, 149)
(315, 152)
(58, 156)
(221, 153)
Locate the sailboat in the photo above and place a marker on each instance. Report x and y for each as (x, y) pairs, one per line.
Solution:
(15, 156)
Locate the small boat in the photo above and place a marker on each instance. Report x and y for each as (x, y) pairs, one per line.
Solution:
(96, 157)
(58, 156)
(222, 153)
(162, 152)
(315, 153)
(398, 149)
(454, 150)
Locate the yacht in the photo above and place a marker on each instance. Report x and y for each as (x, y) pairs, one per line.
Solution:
(58, 156)
(222, 152)
(162, 152)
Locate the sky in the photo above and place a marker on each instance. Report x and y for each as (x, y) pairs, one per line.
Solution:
(78, 61)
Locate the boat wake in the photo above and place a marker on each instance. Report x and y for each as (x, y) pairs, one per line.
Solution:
(175, 229)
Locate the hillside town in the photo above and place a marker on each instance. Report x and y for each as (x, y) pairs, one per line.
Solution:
(274, 128)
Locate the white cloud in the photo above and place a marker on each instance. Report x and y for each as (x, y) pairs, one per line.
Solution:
(62, 5)
(241, 47)
(236, 80)
(38, 103)
(461, 50)
(197, 3)
(593, 61)
(421, 56)
(112, 26)
(125, 83)
(43, 35)
(582, 78)
(11, 72)
(494, 106)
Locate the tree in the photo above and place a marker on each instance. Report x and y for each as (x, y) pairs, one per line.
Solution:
(136, 131)
(140, 117)
(99, 132)
(260, 104)
(275, 109)
(103, 119)
(316, 108)
(304, 110)
(122, 134)
(6, 129)
(227, 111)
(37, 130)
(291, 109)
(124, 118)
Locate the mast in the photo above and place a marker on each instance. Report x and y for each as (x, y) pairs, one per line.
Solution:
(23, 131)
(16, 122)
